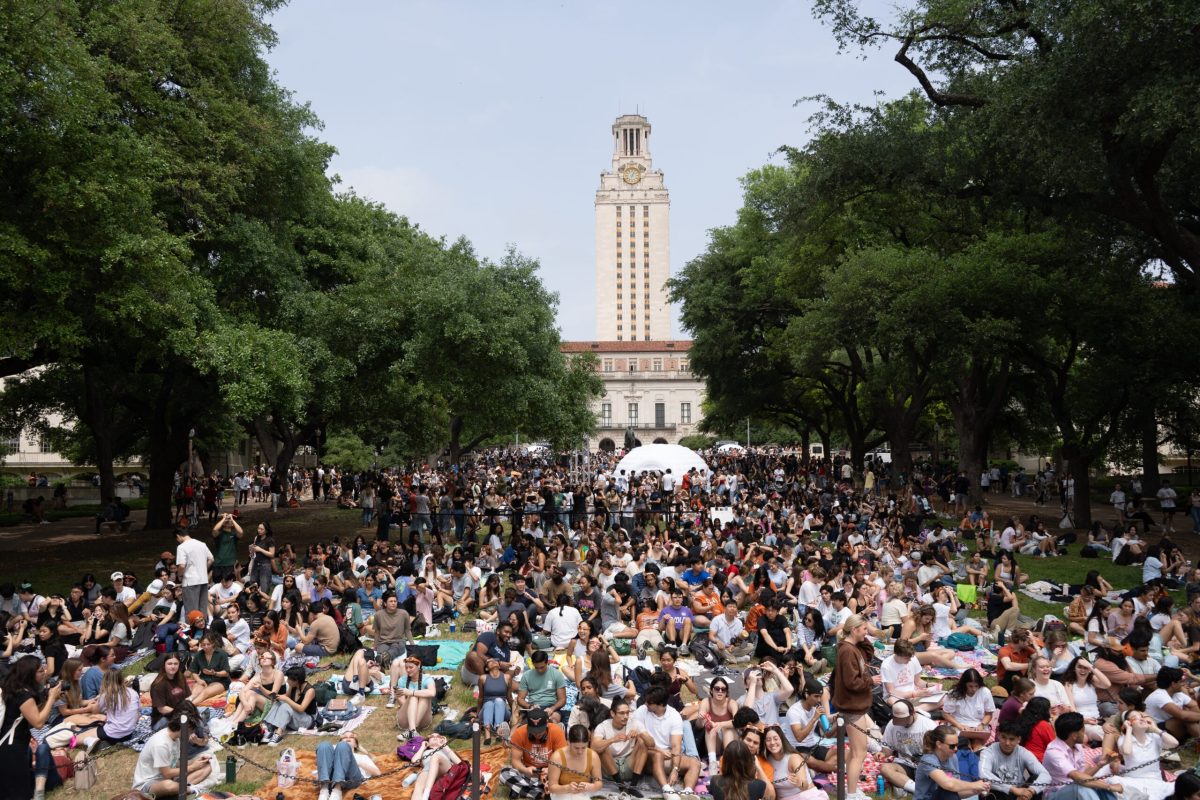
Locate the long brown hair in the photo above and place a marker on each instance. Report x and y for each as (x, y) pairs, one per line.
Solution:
(113, 692)
(738, 768)
(71, 687)
(178, 682)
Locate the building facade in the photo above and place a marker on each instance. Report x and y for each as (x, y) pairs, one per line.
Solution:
(648, 388)
(633, 253)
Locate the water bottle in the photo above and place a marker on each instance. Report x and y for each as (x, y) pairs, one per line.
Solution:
(824, 723)
(230, 770)
(880, 786)
(410, 780)
(475, 691)
(453, 627)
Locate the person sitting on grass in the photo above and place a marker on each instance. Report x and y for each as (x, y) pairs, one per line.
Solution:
(210, 670)
(293, 710)
(414, 693)
(574, 770)
(157, 772)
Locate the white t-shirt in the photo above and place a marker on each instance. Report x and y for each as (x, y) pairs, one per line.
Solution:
(605, 730)
(899, 676)
(160, 751)
(1144, 756)
(725, 630)
(194, 555)
(767, 708)
(1166, 498)
(941, 621)
(801, 716)
(661, 729)
(907, 743)
(1159, 698)
(562, 624)
(219, 594)
(128, 595)
(1053, 691)
(970, 709)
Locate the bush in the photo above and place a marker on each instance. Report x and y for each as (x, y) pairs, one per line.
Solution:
(698, 441)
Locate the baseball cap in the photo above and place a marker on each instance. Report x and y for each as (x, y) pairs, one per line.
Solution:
(117, 576)
(194, 616)
(900, 711)
(537, 721)
(155, 586)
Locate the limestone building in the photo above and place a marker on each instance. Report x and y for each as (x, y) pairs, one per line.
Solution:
(648, 383)
(633, 253)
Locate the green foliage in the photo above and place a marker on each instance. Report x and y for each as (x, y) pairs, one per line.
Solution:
(698, 441)
(347, 451)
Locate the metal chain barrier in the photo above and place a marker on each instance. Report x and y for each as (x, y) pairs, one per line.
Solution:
(1044, 784)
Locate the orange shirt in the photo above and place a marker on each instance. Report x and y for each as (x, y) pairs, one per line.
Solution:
(710, 602)
(647, 620)
(753, 615)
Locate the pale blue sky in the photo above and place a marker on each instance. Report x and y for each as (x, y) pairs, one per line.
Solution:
(492, 120)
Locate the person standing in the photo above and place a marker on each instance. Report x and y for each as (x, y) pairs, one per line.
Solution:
(226, 534)
(193, 558)
(852, 693)
(262, 557)
(1166, 503)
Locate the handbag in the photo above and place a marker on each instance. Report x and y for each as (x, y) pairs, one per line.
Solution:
(85, 774)
(428, 653)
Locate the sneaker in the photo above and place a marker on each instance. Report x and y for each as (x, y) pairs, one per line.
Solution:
(336, 793)
(391, 703)
(503, 731)
(273, 739)
(358, 699)
(324, 795)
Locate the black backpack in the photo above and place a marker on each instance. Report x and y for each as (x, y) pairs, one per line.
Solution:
(348, 641)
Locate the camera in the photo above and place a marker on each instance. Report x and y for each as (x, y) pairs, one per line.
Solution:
(50, 684)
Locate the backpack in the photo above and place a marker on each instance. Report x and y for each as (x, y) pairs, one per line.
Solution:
(410, 748)
(641, 679)
(452, 785)
(326, 691)
(704, 654)
(968, 764)
(960, 641)
(440, 688)
(348, 641)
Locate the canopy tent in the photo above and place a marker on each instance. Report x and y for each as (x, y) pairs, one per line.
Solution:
(660, 458)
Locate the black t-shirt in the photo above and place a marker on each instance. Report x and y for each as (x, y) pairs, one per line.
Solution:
(56, 650)
(776, 628)
(756, 789)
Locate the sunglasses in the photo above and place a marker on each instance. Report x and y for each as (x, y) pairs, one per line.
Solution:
(718, 690)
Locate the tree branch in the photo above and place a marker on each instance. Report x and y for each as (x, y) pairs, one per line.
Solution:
(940, 99)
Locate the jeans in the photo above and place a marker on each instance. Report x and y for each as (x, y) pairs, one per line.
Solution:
(460, 523)
(1194, 513)
(336, 764)
(43, 764)
(368, 514)
(166, 634)
(1074, 791)
(495, 711)
(314, 649)
(284, 717)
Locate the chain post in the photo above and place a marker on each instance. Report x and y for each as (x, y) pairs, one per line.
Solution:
(475, 759)
(184, 735)
(840, 739)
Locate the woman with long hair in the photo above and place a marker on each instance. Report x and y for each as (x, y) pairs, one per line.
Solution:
(739, 776)
(26, 706)
(256, 698)
(1082, 680)
(210, 669)
(344, 766)
(169, 689)
(273, 634)
(715, 713)
(120, 706)
(496, 697)
(792, 780)
(414, 699)
(1036, 730)
(918, 629)
(574, 770)
(969, 708)
(70, 705)
(852, 692)
(436, 759)
(53, 651)
(489, 598)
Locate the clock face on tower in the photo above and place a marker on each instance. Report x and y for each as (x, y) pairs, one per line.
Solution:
(631, 175)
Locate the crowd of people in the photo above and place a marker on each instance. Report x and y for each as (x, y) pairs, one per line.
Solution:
(769, 595)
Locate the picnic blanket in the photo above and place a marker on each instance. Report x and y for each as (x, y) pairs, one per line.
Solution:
(982, 660)
(391, 786)
(451, 652)
(133, 658)
(347, 726)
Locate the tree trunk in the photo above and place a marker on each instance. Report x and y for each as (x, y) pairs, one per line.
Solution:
(455, 447)
(260, 429)
(1078, 461)
(976, 403)
(167, 449)
(99, 420)
(1150, 479)
(972, 448)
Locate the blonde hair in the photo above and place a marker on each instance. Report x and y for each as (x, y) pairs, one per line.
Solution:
(852, 622)
(114, 695)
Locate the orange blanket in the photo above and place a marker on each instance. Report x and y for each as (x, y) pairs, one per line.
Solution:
(492, 759)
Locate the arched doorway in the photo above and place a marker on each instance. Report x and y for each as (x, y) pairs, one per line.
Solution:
(661, 440)
(607, 445)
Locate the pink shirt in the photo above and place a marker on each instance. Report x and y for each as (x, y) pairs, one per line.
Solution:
(424, 603)
(1060, 761)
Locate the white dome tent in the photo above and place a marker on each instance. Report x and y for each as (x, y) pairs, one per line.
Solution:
(660, 458)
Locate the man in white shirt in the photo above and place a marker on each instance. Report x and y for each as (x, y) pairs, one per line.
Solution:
(1166, 503)
(192, 559)
(663, 738)
(728, 636)
(157, 769)
(125, 595)
(802, 728)
(622, 751)
(904, 738)
(562, 622)
(223, 594)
